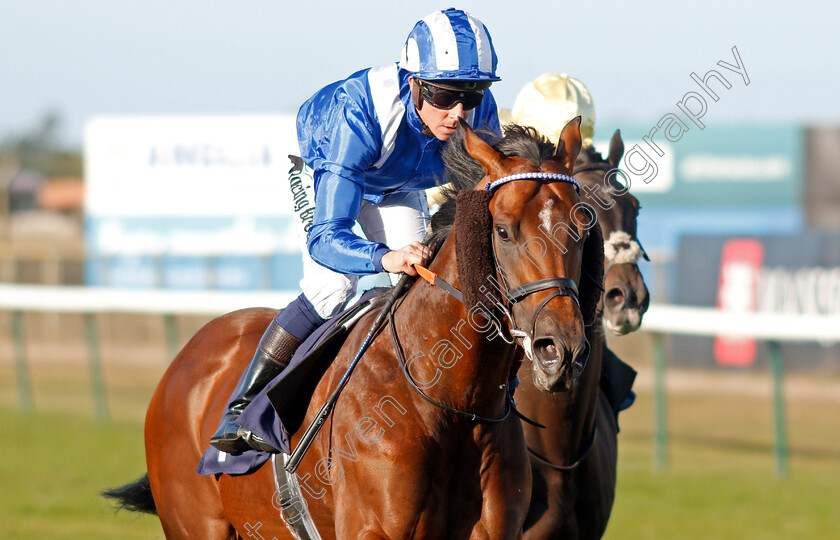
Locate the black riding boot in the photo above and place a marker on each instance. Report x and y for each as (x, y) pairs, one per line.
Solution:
(273, 355)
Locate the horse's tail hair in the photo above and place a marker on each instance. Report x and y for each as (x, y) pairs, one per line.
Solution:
(135, 497)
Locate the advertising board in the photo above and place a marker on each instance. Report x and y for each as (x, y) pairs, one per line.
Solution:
(782, 274)
(191, 202)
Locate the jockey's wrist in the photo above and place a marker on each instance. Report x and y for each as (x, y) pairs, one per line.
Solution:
(377, 258)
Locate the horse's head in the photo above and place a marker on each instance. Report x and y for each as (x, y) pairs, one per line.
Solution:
(541, 243)
(625, 297)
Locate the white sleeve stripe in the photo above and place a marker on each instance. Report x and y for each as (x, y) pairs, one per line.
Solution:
(385, 91)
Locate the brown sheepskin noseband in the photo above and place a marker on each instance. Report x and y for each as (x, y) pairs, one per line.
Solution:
(592, 275)
(473, 246)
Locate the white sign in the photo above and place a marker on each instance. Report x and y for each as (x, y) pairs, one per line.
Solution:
(189, 166)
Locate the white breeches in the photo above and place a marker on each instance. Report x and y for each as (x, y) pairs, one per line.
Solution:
(398, 220)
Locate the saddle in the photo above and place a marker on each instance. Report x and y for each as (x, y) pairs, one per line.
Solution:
(291, 392)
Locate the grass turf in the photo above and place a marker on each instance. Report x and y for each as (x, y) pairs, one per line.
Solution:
(53, 468)
(719, 484)
(710, 491)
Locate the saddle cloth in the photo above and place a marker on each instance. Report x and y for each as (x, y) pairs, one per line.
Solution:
(279, 409)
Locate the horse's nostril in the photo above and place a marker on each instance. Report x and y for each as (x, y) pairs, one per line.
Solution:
(546, 350)
(614, 297)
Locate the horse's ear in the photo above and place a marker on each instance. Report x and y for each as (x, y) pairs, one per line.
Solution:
(486, 155)
(568, 147)
(592, 274)
(616, 149)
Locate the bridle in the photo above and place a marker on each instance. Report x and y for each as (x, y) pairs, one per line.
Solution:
(562, 286)
(623, 246)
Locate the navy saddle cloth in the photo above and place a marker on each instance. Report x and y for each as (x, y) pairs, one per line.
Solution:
(278, 411)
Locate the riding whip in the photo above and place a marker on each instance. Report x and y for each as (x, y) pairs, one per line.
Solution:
(313, 429)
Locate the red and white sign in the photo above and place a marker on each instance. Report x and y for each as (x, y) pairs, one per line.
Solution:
(740, 264)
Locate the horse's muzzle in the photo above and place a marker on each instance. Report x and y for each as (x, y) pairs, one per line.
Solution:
(622, 310)
(557, 365)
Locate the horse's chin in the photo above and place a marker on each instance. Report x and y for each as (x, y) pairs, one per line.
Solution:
(623, 322)
(563, 380)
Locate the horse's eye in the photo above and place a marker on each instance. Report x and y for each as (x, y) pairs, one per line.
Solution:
(503, 234)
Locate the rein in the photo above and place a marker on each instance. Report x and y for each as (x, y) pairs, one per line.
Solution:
(469, 416)
(583, 455)
(315, 426)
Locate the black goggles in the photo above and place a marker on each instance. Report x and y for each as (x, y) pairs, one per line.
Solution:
(444, 98)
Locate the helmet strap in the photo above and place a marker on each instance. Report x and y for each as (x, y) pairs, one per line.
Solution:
(415, 94)
(418, 104)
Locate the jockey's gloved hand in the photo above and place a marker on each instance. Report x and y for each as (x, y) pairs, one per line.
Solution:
(401, 261)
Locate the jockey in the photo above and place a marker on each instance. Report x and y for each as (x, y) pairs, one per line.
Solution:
(373, 142)
(550, 101)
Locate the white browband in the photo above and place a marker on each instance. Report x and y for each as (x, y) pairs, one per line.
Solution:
(556, 177)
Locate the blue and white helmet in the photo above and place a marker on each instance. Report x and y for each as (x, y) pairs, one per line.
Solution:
(450, 45)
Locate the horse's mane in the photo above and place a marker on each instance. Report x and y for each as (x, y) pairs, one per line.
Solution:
(462, 172)
(588, 155)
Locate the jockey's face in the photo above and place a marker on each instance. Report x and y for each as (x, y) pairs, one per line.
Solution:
(442, 123)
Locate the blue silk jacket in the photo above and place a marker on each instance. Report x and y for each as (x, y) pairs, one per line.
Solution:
(363, 139)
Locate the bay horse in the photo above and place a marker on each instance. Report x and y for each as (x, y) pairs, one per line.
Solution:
(626, 297)
(436, 453)
(574, 458)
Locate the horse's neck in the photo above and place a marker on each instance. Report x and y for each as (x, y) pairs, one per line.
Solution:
(584, 397)
(441, 343)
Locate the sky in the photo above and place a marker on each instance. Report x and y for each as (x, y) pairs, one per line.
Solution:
(85, 58)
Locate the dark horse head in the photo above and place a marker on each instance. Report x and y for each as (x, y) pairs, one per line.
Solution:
(626, 297)
(535, 256)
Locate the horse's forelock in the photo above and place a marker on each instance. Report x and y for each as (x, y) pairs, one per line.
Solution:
(463, 172)
(526, 142)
